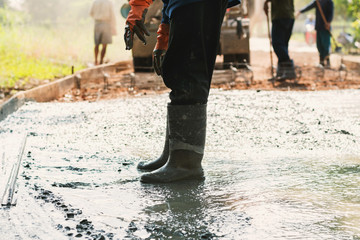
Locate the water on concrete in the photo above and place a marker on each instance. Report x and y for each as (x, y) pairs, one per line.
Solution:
(279, 165)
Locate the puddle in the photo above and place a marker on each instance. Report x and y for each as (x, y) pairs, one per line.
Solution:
(278, 165)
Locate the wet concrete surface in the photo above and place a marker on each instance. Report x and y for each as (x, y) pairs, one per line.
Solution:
(278, 165)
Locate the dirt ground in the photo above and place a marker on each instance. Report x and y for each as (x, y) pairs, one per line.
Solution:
(310, 78)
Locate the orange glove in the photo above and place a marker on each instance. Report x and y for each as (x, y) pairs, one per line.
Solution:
(135, 22)
(161, 46)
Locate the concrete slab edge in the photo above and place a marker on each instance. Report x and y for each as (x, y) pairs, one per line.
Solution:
(50, 91)
(351, 65)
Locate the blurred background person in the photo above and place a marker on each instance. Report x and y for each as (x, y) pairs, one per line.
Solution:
(310, 33)
(324, 16)
(102, 11)
(282, 18)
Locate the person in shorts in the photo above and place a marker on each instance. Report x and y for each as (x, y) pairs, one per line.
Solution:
(102, 11)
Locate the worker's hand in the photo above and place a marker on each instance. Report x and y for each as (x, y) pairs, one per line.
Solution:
(135, 22)
(327, 26)
(266, 7)
(161, 46)
(297, 14)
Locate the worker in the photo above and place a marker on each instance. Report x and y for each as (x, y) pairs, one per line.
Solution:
(102, 11)
(310, 33)
(282, 18)
(184, 56)
(323, 35)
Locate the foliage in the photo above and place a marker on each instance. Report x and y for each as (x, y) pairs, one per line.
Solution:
(2, 3)
(11, 18)
(351, 10)
(18, 67)
(24, 57)
(57, 11)
(354, 12)
(341, 8)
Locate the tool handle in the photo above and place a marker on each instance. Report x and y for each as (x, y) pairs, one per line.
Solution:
(321, 12)
(325, 21)
(270, 41)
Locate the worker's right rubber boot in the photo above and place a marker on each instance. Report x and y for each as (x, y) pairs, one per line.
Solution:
(327, 62)
(160, 161)
(322, 62)
(187, 129)
(288, 71)
(279, 70)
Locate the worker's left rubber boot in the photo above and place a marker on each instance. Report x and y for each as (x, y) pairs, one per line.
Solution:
(288, 71)
(187, 130)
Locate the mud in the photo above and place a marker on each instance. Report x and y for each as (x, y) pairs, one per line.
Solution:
(278, 165)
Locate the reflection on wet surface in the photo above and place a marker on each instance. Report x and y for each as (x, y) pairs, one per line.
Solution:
(279, 165)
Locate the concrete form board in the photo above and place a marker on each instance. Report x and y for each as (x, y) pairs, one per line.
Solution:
(42, 93)
(53, 90)
(352, 65)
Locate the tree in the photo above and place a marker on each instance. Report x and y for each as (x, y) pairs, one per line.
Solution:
(43, 11)
(354, 13)
(341, 8)
(2, 3)
(57, 11)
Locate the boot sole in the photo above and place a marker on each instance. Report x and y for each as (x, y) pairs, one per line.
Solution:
(168, 177)
(190, 179)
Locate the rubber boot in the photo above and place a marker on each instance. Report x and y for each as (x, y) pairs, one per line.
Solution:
(160, 161)
(187, 130)
(279, 70)
(327, 62)
(288, 71)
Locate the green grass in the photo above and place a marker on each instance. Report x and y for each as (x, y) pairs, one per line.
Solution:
(23, 58)
(30, 54)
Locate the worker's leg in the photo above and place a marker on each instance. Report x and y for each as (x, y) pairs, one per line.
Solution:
(103, 52)
(323, 42)
(96, 52)
(190, 59)
(187, 71)
(281, 33)
(97, 40)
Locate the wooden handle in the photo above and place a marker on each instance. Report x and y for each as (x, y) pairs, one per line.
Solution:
(321, 12)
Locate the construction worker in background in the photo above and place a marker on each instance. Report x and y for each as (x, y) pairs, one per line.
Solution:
(310, 33)
(184, 56)
(322, 27)
(102, 11)
(282, 18)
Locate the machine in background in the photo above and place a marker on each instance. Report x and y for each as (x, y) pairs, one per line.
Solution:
(234, 40)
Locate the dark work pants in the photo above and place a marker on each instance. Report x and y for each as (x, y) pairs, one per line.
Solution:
(189, 61)
(323, 39)
(280, 34)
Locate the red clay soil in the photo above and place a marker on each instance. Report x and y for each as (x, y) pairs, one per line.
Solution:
(312, 78)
